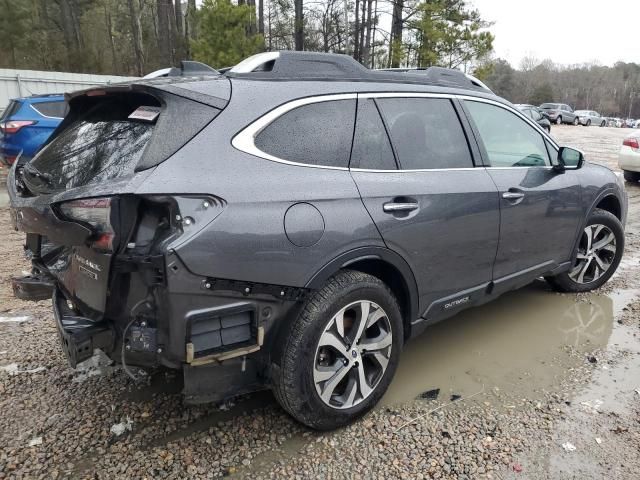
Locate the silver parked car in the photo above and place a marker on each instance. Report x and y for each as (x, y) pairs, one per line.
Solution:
(589, 117)
(560, 113)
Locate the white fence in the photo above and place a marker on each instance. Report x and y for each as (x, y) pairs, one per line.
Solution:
(22, 83)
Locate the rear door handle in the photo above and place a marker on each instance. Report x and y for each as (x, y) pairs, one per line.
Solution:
(393, 207)
(512, 195)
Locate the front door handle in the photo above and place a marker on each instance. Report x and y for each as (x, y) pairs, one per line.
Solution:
(512, 195)
(393, 207)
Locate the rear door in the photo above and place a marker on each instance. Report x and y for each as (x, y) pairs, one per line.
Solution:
(540, 208)
(428, 199)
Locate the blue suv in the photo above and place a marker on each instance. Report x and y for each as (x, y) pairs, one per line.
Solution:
(27, 124)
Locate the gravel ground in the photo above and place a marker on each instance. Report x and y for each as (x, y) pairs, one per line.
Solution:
(96, 423)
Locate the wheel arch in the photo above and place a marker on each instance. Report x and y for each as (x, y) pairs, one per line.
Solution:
(384, 264)
(609, 202)
(606, 200)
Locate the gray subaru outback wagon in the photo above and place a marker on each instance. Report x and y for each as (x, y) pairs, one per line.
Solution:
(292, 222)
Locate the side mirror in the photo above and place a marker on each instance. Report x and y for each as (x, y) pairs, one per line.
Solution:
(569, 159)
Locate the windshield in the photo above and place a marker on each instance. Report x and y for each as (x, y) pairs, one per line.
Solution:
(550, 106)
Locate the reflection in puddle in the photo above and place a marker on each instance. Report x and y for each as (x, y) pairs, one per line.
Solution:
(514, 343)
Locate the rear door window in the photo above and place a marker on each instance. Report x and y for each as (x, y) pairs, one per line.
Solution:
(314, 134)
(371, 147)
(426, 133)
(51, 109)
(508, 140)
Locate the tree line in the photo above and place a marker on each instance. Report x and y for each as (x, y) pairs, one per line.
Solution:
(135, 37)
(611, 91)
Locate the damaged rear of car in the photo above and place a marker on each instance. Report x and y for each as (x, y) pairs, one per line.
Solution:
(101, 248)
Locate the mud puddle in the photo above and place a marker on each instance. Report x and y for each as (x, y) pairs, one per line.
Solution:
(522, 343)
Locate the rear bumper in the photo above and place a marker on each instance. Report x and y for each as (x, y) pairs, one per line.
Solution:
(80, 336)
(629, 160)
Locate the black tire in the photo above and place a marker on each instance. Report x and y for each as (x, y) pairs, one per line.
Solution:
(548, 129)
(631, 177)
(564, 283)
(292, 375)
(588, 123)
(576, 121)
(559, 120)
(603, 124)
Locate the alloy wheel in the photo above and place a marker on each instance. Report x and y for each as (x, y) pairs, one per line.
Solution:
(352, 354)
(596, 252)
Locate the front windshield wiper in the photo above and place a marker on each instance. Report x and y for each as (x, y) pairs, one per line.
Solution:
(34, 172)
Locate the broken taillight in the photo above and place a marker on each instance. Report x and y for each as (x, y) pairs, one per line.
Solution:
(96, 212)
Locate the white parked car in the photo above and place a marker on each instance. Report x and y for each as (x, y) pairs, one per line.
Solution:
(629, 157)
(589, 117)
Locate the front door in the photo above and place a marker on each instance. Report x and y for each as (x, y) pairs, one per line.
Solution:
(540, 208)
(429, 202)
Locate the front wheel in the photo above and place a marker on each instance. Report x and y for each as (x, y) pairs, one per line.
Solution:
(341, 353)
(559, 121)
(576, 121)
(598, 255)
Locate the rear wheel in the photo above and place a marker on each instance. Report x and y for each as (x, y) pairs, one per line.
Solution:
(598, 255)
(603, 124)
(559, 121)
(632, 177)
(576, 121)
(589, 123)
(340, 353)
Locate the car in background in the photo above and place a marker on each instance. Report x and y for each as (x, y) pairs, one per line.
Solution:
(629, 157)
(27, 123)
(589, 117)
(560, 113)
(536, 115)
(629, 123)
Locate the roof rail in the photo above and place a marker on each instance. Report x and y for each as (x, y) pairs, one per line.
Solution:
(188, 68)
(288, 65)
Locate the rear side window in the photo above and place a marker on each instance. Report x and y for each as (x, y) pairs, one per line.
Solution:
(51, 109)
(371, 147)
(11, 109)
(315, 134)
(508, 140)
(426, 133)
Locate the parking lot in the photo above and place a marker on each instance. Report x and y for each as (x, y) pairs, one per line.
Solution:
(535, 385)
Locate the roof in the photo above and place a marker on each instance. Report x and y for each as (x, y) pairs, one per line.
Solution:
(306, 66)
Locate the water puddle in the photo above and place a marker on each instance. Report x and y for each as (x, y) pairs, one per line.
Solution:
(517, 343)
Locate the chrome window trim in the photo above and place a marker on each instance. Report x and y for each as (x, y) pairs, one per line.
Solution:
(245, 139)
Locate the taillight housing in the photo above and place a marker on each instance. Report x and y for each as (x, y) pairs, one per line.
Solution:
(632, 142)
(95, 212)
(14, 126)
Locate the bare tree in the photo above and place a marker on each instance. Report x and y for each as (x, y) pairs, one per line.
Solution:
(298, 29)
(136, 31)
(164, 31)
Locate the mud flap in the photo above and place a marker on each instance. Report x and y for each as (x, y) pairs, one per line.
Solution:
(32, 287)
(217, 382)
(80, 336)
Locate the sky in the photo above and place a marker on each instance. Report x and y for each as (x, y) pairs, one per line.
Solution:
(565, 31)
